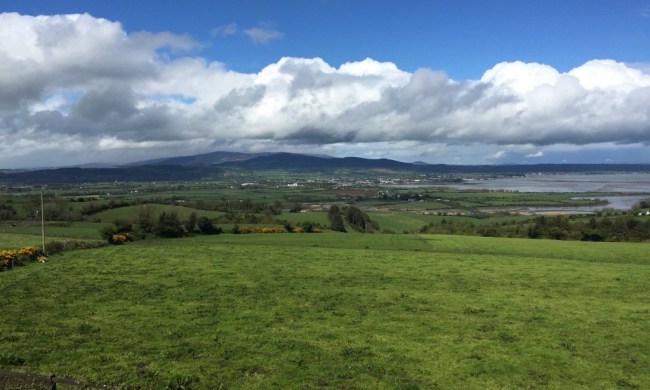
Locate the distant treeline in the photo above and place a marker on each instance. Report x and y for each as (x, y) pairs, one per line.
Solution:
(59, 209)
(147, 224)
(607, 228)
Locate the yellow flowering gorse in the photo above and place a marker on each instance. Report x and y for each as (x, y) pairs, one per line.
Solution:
(10, 257)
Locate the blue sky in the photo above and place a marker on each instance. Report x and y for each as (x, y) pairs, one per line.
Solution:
(533, 70)
(461, 37)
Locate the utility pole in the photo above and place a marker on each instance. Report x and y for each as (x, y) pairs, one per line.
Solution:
(42, 221)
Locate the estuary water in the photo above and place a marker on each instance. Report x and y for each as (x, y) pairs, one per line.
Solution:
(636, 187)
(628, 182)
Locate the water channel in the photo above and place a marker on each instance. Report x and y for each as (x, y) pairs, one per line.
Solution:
(626, 189)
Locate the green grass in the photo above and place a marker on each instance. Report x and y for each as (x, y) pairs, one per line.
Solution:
(315, 216)
(412, 222)
(335, 311)
(351, 240)
(15, 241)
(604, 252)
(55, 231)
(131, 212)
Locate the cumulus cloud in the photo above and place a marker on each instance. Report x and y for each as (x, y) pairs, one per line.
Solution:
(72, 84)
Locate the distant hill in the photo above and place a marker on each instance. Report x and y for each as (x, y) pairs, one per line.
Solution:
(211, 165)
(301, 162)
(200, 159)
(292, 161)
(96, 175)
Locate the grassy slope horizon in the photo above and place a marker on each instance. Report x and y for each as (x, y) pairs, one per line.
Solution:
(335, 310)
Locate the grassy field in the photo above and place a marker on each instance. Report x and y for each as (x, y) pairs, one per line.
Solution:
(316, 216)
(54, 230)
(131, 212)
(335, 310)
(412, 222)
(15, 241)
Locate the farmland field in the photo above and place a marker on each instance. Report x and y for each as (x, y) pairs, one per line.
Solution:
(131, 212)
(334, 310)
(56, 231)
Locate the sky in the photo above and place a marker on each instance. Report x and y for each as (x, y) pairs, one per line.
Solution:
(439, 81)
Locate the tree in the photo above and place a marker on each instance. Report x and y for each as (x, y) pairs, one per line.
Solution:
(359, 220)
(7, 212)
(307, 227)
(287, 226)
(32, 206)
(337, 224)
(335, 218)
(146, 221)
(190, 224)
(206, 227)
(169, 225)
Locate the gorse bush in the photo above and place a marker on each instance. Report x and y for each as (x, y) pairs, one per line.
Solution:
(119, 239)
(118, 233)
(11, 258)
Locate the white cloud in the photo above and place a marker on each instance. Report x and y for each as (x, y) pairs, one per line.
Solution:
(499, 154)
(609, 74)
(645, 12)
(263, 33)
(225, 30)
(80, 84)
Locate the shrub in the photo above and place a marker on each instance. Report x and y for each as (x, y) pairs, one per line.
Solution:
(7, 212)
(119, 239)
(206, 227)
(268, 230)
(54, 247)
(12, 258)
(7, 258)
(146, 221)
(118, 228)
(169, 226)
(191, 223)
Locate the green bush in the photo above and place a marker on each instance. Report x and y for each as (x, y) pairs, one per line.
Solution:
(54, 247)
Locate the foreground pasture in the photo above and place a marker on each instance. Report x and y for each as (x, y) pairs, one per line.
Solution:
(334, 310)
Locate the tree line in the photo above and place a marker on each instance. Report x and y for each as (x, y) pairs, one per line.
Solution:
(559, 227)
(166, 225)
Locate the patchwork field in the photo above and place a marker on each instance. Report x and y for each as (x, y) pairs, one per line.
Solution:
(334, 310)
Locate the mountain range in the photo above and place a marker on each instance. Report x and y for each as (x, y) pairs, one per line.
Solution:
(211, 165)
